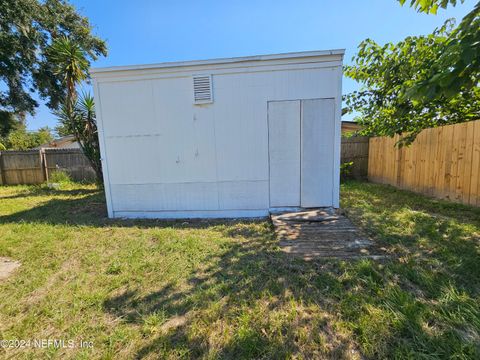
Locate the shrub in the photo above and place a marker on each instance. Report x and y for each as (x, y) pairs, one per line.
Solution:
(346, 170)
(60, 176)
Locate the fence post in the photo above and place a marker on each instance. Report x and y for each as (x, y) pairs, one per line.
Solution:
(43, 164)
(2, 173)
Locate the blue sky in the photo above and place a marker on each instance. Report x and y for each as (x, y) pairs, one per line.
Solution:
(151, 31)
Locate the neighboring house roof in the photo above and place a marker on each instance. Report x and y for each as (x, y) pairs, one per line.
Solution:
(64, 142)
(350, 126)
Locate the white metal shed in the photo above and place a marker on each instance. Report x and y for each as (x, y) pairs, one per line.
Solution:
(235, 137)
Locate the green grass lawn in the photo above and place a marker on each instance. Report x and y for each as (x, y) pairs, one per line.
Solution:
(224, 290)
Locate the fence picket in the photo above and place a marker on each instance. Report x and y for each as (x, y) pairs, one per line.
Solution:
(442, 162)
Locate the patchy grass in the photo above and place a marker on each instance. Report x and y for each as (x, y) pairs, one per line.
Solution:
(222, 289)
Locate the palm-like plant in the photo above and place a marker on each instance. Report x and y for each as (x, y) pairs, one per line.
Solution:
(86, 130)
(77, 115)
(70, 60)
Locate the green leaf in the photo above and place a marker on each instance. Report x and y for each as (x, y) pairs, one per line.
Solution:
(420, 82)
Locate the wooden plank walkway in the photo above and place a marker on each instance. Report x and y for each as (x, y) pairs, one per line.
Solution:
(322, 233)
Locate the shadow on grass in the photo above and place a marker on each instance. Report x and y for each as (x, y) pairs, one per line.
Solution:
(274, 306)
(252, 302)
(44, 191)
(387, 196)
(423, 303)
(442, 236)
(89, 209)
(270, 305)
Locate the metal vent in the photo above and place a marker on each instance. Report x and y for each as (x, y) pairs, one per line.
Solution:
(202, 89)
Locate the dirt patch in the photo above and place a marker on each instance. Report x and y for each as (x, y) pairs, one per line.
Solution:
(7, 267)
(174, 323)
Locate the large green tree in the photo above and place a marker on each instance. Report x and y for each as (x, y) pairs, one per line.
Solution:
(21, 139)
(457, 64)
(385, 72)
(8, 123)
(27, 30)
(420, 82)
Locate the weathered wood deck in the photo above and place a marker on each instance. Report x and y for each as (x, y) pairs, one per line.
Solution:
(322, 233)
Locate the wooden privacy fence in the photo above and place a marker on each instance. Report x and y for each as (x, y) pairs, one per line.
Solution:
(443, 162)
(36, 166)
(355, 149)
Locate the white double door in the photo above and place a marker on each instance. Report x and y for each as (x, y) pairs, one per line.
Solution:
(301, 137)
